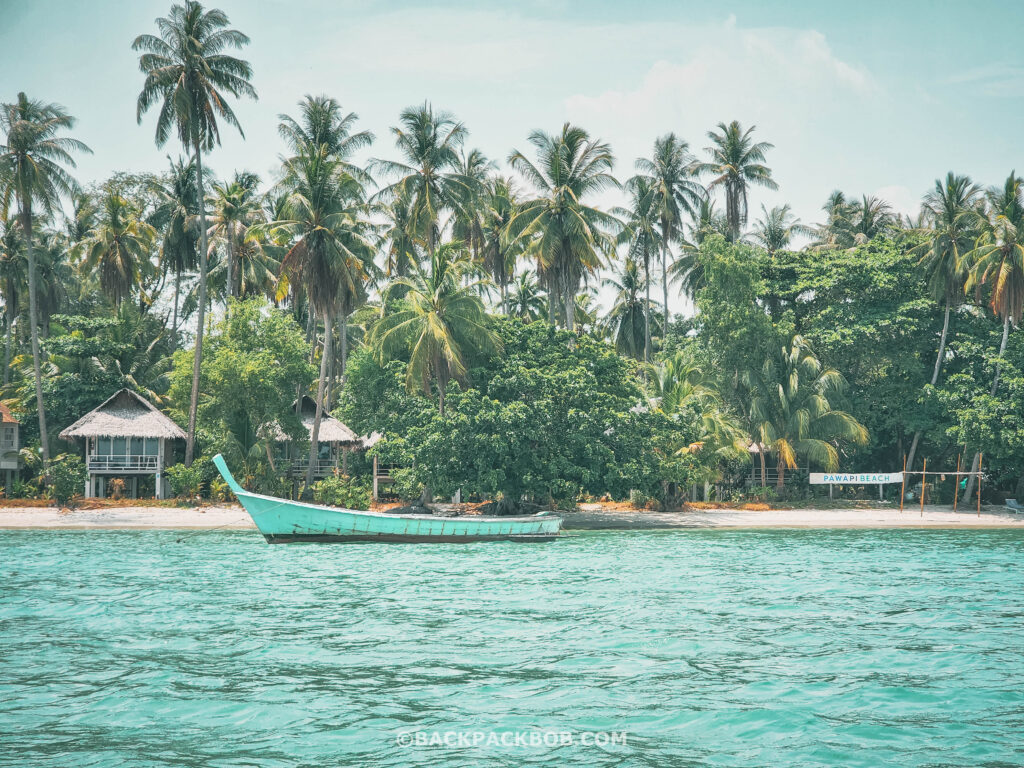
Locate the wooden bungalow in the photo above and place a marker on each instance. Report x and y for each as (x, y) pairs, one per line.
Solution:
(127, 437)
(9, 443)
(334, 443)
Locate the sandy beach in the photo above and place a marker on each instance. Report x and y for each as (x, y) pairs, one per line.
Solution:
(587, 517)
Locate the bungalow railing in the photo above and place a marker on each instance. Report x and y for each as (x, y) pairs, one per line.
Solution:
(123, 463)
(321, 467)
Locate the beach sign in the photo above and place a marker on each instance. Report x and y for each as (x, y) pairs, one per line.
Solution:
(855, 478)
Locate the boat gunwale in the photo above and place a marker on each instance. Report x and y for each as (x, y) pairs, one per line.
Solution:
(540, 516)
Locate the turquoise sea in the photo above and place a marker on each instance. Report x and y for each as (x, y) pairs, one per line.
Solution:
(705, 648)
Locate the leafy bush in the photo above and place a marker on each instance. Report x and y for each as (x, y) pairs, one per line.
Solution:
(219, 490)
(186, 482)
(348, 492)
(67, 477)
(406, 486)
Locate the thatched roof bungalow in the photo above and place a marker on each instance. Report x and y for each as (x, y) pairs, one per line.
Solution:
(126, 435)
(335, 440)
(9, 442)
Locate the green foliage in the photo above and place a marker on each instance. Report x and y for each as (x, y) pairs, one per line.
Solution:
(342, 491)
(67, 477)
(546, 421)
(253, 364)
(187, 482)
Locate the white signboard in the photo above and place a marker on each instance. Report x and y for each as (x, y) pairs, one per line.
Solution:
(855, 478)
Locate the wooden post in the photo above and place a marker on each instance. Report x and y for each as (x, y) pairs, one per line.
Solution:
(981, 458)
(903, 487)
(924, 479)
(375, 477)
(956, 484)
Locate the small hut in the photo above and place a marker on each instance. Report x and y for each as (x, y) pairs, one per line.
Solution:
(9, 443)
(126, 436)
(333, 443)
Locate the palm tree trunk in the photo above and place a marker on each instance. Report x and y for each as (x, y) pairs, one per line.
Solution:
(193, 408)
(647, 308)
(231, 267)
(665, 274)
(440, 397)
(343, 338)
(33, 322)
(7, 344)
(991, 393)
(177, 289)
(780, 481)
(570, 310)
(935, 378)
(764, 479)
(314, 438)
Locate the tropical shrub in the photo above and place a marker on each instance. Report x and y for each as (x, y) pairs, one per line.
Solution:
(67, 477)
(186, 482)
(342, 491)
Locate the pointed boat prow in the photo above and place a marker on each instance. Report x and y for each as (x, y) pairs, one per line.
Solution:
(282, 520)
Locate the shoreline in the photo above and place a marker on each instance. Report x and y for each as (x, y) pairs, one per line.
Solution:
(586, 517)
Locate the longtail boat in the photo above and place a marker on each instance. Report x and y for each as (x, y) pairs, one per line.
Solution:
(283, 521)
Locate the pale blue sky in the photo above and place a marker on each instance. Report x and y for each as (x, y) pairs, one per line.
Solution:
(875, 97)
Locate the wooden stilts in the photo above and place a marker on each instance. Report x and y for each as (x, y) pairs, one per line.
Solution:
(956, 484)
(924, 479)
(903, 487)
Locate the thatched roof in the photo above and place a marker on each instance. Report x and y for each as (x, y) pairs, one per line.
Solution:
(124, 414)
(6, 417)
(331, 430)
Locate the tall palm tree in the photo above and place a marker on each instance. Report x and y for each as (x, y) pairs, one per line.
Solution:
(430, 174)
(950, 211)
(498, 204)
(322, 122)
(397, 239)
(438, 322)
(789, 411)
(737, 162)
(670, 174)
(629, 318)
(33, 171)
(331, 253)
(524, 299)
(775, 230)
(236, 207)
(176, 209)
(13, 279)
(188, 74)
(870, 218)
(642, 239)
(467, 222)
(570, 235)
(118, 248)
(997, 262)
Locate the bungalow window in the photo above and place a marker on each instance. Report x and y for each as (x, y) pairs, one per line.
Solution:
(103, 446)
(136, 446)
(152, 446)
(8, 438)
(120, 446)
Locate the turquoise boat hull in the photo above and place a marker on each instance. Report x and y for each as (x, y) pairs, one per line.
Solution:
(284, 521)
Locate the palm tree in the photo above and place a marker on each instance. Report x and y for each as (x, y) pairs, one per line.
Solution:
(569, 233)
(13, 278)
(33, 161)
(118, 248)
(236, 207)
(951, 211)
(438, 322)
(997, 261)
(524, 299)
(774, 231)
(397, 239)
(642, 240)
(870, 218)
(176, 208)
(737, 162)
(789, 412)
(331, 253)
(670, 174)
(323, 123)
(499, 253)
(188, 73)
(430, 177)
(629, 318)
(467, 223)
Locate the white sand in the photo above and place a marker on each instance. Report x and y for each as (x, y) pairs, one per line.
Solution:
(590, 516)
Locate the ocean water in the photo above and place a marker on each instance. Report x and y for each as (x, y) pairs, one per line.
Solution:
(682, 648)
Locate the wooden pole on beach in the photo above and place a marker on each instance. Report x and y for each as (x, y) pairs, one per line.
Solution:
(903, 487)
(956, 484)
(981, 458)
(924, 478)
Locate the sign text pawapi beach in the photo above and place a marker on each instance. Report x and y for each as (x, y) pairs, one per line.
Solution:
(855, 478)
